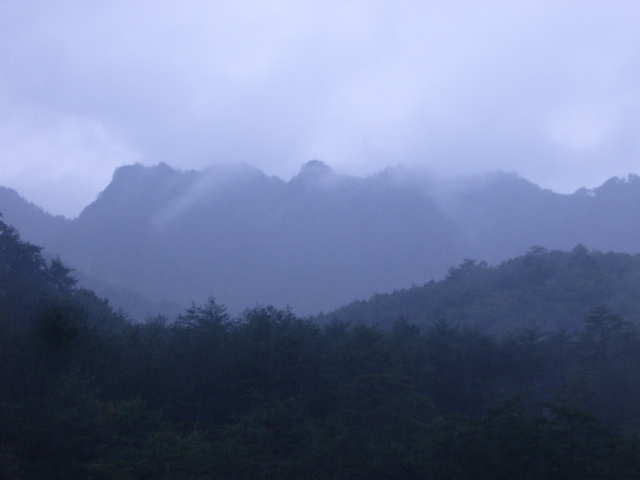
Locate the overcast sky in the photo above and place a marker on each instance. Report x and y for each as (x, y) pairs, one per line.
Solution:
(547, 89)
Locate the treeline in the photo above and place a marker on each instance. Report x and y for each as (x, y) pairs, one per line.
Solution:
(88, 394)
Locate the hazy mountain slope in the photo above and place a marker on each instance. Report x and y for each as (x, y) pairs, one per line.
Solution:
(35, 225)
(503, 215)
(313, 243)
(39, 227)
(317, 241)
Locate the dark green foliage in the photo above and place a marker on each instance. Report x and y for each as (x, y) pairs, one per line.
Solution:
(511, 441)
(87, 394)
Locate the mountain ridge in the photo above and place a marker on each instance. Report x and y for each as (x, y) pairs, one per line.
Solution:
(321, 239)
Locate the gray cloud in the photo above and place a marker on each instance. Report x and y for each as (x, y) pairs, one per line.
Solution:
(548, 89)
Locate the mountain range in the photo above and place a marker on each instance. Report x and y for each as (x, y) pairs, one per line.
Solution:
(157, 239)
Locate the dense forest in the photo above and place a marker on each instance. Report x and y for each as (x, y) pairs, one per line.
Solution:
(87, 393)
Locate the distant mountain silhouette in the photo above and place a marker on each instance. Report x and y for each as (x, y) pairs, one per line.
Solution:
(319, 240)
(32, 221)
(503, 215)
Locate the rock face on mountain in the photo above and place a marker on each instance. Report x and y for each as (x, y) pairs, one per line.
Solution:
(319, 240)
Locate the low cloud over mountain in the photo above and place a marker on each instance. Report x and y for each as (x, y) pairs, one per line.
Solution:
(319, 240)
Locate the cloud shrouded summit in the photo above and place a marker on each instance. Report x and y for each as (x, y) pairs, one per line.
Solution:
(547, 89)
(315, 242)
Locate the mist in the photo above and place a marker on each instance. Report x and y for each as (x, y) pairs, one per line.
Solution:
(547, 90)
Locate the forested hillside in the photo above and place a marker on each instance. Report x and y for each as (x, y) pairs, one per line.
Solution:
(541, 290)
(266, 394)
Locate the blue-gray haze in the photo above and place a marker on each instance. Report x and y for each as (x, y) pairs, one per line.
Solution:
(157, 239)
